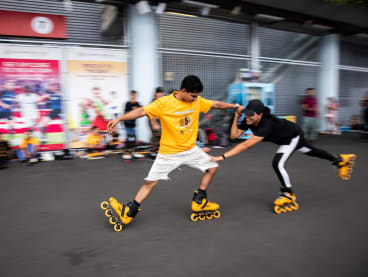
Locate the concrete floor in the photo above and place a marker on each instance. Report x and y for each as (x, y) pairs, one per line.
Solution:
(51, 223)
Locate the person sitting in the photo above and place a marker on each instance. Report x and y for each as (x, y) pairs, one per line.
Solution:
(355, 123)
(114, 144)
(5, 152)
(94, 144)
(28, 149)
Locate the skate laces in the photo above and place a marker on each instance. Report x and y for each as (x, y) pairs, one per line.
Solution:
(285, 195)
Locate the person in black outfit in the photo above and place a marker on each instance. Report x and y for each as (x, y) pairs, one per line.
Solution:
(290, 137)
(4, 152)
(364, 103)
(130, 125)
(132, 104)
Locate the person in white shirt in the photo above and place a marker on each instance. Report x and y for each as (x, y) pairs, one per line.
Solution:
(28, 102)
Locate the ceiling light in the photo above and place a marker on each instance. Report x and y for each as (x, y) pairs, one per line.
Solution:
(362, 35)
(181, 14)
(200, 4)
(321, 27)
(205, 11)
(236, 10)
(143, 7)
(68, 5)
(269, 17)
(161, 8)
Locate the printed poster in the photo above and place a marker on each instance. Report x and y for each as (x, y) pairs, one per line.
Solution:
(30, 95)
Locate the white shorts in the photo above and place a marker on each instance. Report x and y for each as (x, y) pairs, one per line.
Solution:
(164, 164)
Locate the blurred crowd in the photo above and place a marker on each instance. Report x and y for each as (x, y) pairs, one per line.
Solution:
(213, 131)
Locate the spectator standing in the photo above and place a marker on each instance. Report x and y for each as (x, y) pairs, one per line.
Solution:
(331, 116)
(155, 126)
(310, 114)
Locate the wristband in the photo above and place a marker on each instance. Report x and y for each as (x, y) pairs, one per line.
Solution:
(223, 156)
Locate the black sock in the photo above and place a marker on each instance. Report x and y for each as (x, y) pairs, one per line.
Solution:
(289, 190)
(201, 191)
(197, 197)
(133, 208)
(337, 160)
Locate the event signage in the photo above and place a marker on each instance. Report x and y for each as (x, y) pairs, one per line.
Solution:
(24, 24)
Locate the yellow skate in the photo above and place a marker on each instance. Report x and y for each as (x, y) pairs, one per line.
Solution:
(113, 210)
(346, 166)
(204, 210)
(286, 202)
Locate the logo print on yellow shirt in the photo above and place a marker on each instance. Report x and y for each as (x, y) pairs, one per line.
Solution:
(184, 122)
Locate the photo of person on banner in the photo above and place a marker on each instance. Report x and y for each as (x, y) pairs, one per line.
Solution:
(7, 100)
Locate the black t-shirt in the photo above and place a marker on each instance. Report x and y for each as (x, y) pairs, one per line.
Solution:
(273, 129)
(128, 107)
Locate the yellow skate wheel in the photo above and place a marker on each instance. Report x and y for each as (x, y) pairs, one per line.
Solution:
(278, 209)
(113, 220)
(194, 217)
(346, 176)
(104, 205)
(294, 206)
(209, 216)
(288, 208)
(108, 213)
(118, 227)
(202, 217)
(216, 214)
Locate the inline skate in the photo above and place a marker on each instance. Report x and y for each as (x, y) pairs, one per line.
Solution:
(203, 209)
(118, 214)
(286, 202)
(345, 165)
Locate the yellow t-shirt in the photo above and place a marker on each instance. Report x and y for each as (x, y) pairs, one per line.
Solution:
(179, 121)
(29, 141)
(94, 140)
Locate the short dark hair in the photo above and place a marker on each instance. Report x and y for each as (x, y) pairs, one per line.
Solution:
(133, 92)
(308, 89)
(159, 89)
(192, 83)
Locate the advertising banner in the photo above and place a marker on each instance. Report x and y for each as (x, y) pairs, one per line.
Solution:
(98, 87)
(25, 24)
(30, 97)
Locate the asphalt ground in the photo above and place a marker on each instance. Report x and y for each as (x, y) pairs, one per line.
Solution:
(51, 223)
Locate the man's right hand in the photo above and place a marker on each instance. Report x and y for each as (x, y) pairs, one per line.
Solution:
(111, 125)
(239, 110)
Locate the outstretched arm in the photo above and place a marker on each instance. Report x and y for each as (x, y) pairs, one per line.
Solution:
(238, 149)
(134, 114)
(223, 106)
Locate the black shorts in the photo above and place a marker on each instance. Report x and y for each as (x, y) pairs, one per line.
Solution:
(55, 114)
(6, 114)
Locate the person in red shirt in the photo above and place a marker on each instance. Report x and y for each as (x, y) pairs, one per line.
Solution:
(310, 114)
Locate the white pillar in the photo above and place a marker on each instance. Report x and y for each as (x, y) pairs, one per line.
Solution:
(254, 47)
(144, 62)
(328, 75)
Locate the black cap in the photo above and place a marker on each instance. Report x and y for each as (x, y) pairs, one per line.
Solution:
(254, 106)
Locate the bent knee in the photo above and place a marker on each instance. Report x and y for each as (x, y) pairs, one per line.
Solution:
(212, 170)
(150, 183)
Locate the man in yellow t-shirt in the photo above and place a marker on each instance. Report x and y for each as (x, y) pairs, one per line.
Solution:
(179, 115)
